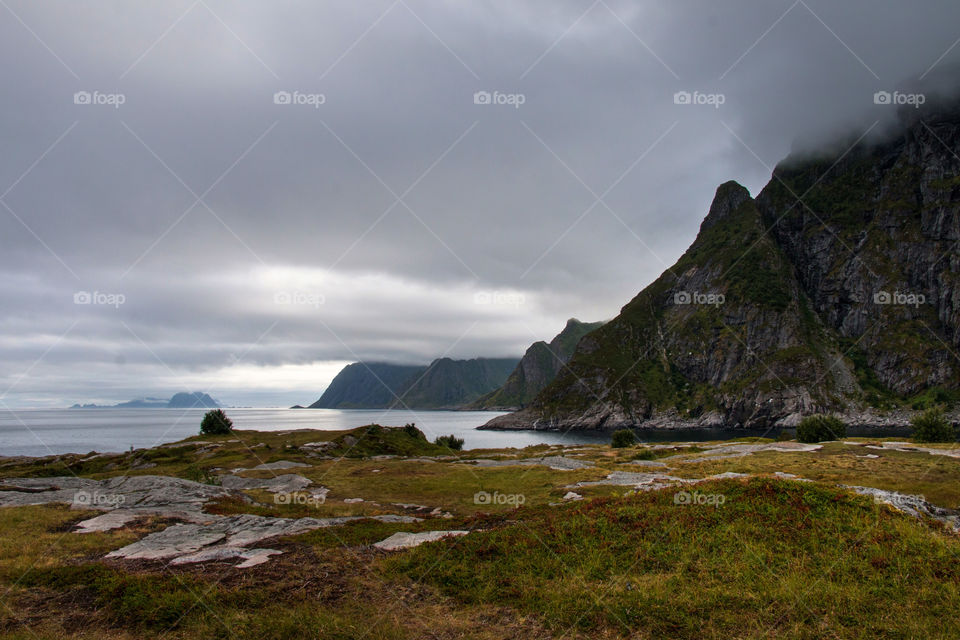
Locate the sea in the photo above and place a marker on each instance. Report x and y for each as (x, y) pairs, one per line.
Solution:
(41, 432)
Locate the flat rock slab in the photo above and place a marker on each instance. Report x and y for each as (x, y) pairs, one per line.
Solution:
(287, 483)
(910, 447)
(279, 465)
(915, 506)
(651, 481)
(250, 557)
(157, 495)
(110, 520)
(727, 451)
(240, 531)
(404, 540)
(554, 462)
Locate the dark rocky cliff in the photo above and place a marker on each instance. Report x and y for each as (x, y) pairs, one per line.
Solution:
(836, 289)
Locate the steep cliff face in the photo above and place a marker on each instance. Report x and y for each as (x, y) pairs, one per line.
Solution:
(539, 366)
(444, 384)
(836, 289)
(367, 385)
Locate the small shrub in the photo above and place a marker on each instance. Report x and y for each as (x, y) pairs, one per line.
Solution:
(646, 454)
(932, 426)
(623, 438)
(412, 431)
(821, 427)
(450, 442)
(216, 423)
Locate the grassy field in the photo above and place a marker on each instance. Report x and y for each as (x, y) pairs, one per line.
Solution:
(751, 557)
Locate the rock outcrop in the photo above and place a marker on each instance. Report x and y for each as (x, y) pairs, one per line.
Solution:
(538, 367)
(836, 289)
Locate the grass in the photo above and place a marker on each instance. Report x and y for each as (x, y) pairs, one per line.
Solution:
(781, 558)
(776, 559)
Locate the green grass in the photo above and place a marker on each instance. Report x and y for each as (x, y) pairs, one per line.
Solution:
(778, 559)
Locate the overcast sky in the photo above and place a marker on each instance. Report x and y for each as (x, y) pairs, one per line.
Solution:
(240, 197)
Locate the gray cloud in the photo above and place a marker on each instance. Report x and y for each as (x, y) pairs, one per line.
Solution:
(303, 201)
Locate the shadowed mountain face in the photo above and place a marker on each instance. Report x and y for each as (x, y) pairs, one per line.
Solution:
(837, 288)
(444, 384)
(538, 367)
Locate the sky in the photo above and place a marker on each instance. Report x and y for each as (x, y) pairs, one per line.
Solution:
(241, 197)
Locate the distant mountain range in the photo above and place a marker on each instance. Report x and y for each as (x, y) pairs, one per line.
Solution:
(538, 367)
(835, 289)
(443, 384)
(182, 400)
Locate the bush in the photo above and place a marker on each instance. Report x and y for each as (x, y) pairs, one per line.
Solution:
(623, 438)
(216, 423)
(412, 431)
(932, 426)
(450, 442)
(821, 427)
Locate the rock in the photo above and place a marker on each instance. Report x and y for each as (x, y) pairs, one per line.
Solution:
(229, 532)
(554, 462)
(288, 483)
(279, 465)
(572, 495)
(110, 520)
(145, 495)
(251, 557)
(915, 506)
(869, 455)
(403, 540)
(353, 500)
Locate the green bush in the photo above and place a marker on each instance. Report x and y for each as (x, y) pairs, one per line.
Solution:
(411, 429)
(821, 427)
(216, 423)
(623, 438)
(450, 442)
(932, 426)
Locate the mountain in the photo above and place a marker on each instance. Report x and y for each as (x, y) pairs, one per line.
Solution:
(443, 384)
(367, 385)
(538, 367)
(836, 289)
(181, 400)
(195, 400)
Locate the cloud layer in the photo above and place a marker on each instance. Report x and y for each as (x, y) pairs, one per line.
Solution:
(276, 188)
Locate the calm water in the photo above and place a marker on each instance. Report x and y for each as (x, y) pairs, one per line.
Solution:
(39, 432)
